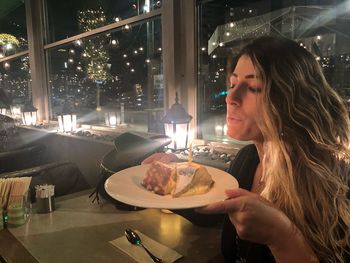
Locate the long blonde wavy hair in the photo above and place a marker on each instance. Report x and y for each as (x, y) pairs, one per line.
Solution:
(306, 130)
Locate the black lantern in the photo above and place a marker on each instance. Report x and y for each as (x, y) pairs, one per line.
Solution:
(4, 103)
(3, 108)
(67, 119)
(112, 116)
(29, 114)
(176, 125)
(16, 111)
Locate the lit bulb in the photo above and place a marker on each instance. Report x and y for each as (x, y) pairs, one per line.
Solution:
(8, 46)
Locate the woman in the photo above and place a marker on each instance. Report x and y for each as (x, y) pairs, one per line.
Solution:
(295, 172)
(292, 203)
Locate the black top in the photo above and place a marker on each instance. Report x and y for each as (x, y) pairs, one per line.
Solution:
(233, 248)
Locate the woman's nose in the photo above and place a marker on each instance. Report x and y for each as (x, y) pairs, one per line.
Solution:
(231, 98)
(235, 94)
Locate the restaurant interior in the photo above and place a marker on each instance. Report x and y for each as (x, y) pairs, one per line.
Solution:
(89, 88)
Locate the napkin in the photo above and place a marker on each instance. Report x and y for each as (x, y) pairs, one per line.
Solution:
(140, 255)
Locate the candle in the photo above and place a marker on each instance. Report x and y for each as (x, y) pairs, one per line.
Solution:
(190, 154)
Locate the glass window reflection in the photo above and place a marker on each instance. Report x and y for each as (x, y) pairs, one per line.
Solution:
(322, 27)
(118, 73)
(13, 31)
(15, 82)
(64, 17)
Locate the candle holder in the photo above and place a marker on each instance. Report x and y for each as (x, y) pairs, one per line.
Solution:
(29, 114)
(67, 120)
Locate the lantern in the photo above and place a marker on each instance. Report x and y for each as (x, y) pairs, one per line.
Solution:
(29, 114)
(15, 110)
(112, 115)
(111, 118)
(3, 110)
(67, 120)
(176, 125)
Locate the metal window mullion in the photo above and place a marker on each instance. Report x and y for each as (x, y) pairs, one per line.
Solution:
(179, 54)
(34, 19)
(106, 28)
(14, 56)
(169, 58)
(189, 60)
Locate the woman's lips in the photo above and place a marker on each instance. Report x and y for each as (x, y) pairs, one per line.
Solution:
(233, 118)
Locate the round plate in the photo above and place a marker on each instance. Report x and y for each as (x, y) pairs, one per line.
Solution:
(125, 186)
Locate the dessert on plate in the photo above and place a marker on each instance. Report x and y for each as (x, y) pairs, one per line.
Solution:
(179, 179)
(160, 178)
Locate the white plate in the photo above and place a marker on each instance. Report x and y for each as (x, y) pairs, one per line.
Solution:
(125, 186)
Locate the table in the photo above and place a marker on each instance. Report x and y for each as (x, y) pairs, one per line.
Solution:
(79, 231)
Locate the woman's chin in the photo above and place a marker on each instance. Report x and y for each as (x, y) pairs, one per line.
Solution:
(234, 135)
(237, 136)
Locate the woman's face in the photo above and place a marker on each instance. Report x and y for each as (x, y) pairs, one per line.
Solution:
(243, 102)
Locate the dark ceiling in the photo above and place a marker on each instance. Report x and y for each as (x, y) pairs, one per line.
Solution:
(6, 6)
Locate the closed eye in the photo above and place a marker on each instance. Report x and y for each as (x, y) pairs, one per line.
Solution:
(251, 89)
(254, 90)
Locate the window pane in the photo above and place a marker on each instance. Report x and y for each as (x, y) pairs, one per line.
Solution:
(323, 27)
(118, 73)
(64, 16)
(15, 80)
(13, 31)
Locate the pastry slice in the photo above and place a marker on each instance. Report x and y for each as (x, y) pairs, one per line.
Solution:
(192, 179)
(160, 178)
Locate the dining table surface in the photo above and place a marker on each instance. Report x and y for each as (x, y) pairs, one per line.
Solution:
(79, 231)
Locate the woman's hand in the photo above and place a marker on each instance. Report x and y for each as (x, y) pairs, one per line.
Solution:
(257, 220)
(161, 157)
(254, 218)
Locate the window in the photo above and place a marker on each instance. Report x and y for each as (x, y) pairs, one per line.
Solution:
(323, 27)
(13, 31)
(15, 80)
(65, 16)
(119, 72)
